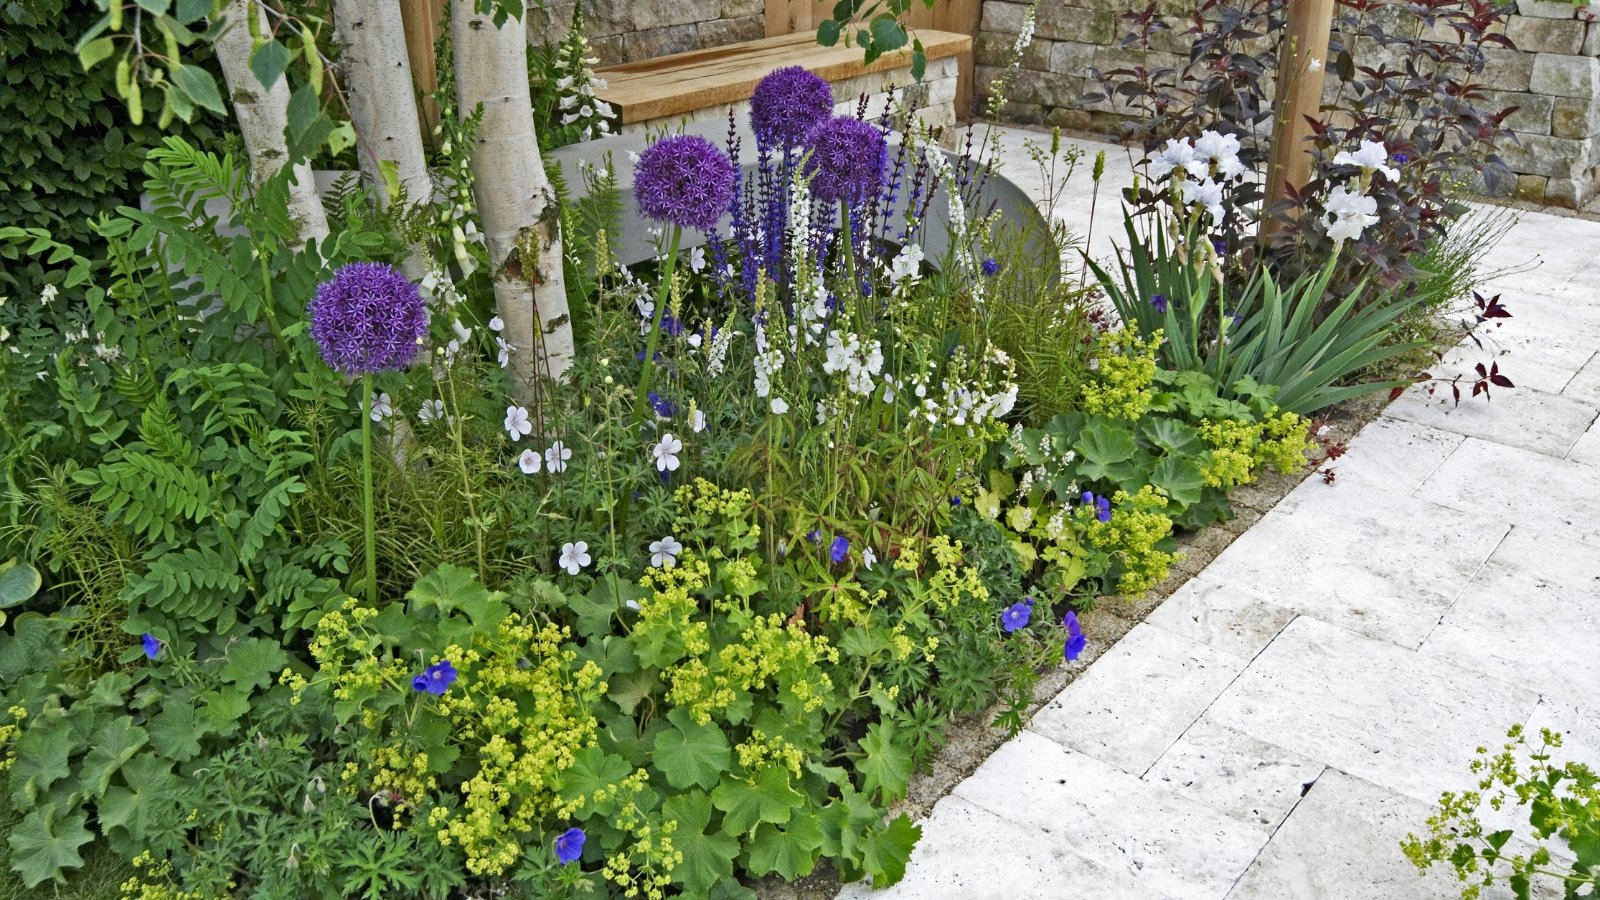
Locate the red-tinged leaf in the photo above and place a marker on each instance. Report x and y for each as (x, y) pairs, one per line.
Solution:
(1479, 388)
(1501, 381)
(1394, 393)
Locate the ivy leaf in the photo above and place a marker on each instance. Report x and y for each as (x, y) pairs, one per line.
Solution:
(691, 754)
(149, 780)
(114, 744)
(707, 858)
(885, 767)
(42, 846)
(252, 662)
(42, 758)
(745, 805)
(790, 851)
(887, 851)
(268, 62)
(175, 732)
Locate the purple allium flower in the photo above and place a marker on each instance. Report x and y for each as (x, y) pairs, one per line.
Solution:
(1016, 615)
(991, 267)
(848, 157)
(368, 318)
(1075, 639)
(786, 104)
(684, 180)
(569, 846)
(839, 549)
(1159, 301)
(435, 679)
(152, 647)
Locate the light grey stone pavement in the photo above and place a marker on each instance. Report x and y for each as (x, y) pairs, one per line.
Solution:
(1278, 725)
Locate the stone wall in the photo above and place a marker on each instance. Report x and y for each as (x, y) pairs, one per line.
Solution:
(1553, 77)
(632, 30)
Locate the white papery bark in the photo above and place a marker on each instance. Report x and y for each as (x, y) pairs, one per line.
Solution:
(383, 109)
(263, 114)
(516, 204)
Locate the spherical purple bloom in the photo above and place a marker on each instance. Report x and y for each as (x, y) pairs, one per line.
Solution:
(152, 647)
(685, 181)
(1016, 615)
(848, 157)
(1075, 639)
(435, 679)
(368, 318)
(839, 549)
(1159, 301)
(786, 104)
(569, 846)
(991, 267)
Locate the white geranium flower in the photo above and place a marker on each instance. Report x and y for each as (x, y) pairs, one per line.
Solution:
(697, 420)
(517, 423)
(868, 557)
(574, 557)
(697, 259)
(1348, 215)
(382, 407)
(530, 462)
(664, 553)
(463, 333)
(497, 324)
(907, 263)
(431, 411)
(505, 351)
(556, 457)
(1372, 157)
(665, 453)
(779, 406)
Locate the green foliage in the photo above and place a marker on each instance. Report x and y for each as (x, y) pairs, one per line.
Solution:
(1561, 801)
(66, 155)
(1292, 336)
(874, 26)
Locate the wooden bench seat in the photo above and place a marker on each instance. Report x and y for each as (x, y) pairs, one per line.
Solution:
(704, 84)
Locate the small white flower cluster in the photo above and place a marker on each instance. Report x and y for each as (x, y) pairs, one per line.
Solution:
(906, 268)
(1206, 165)
(1347, 213)
(858, 358)
(959, 403)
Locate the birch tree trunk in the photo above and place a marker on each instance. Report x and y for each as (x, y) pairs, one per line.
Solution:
(263, 115)
(382, 106)
(516, 204)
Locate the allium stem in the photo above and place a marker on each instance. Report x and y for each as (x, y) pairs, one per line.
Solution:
(849, 247)
(366, 490)
(663, 293)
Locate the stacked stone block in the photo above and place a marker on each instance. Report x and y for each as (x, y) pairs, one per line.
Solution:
(1552, 77)
(631, 30)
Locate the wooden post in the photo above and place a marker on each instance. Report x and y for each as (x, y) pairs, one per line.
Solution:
(790, 16)
(959, 17)
(423, 20)
(1301, 62)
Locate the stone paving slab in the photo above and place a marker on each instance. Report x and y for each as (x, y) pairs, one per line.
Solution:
(967, 851)
(1585, 385)
(1374, 710)
(1530, 419)
(1534, 588)
(1357, 561)
(1135, 701)
(1251, 780)
(1512, 485)
(1166, 843)
(1231, 619)
(1343, 843)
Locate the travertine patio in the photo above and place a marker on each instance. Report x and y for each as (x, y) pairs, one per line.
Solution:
(1278, 725)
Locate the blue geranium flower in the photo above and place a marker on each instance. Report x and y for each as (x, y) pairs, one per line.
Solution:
(1075, 639)
(1017, 615)
(839, 549)
(663, 406)
(814, 536)
(152, 647)
(569, 846)
(435, 679)
(1100, 505)
(1159, 301)
(991, 267)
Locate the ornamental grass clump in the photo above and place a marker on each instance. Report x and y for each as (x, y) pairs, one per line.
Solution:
(367, 319)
